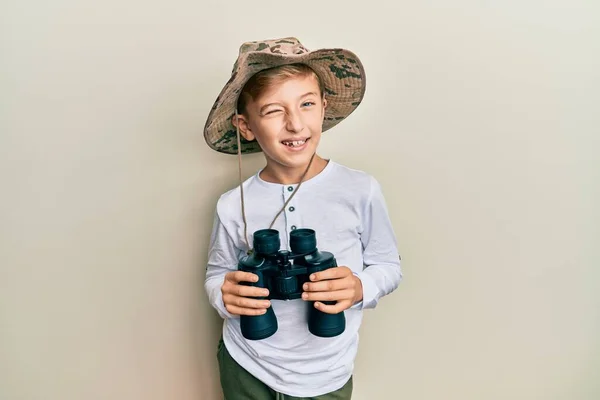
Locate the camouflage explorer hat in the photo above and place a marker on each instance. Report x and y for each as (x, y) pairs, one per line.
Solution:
(340, 71)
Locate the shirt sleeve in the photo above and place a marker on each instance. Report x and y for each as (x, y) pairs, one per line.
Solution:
(382, 271)
(222, 258)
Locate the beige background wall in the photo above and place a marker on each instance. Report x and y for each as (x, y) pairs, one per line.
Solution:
(481, 122)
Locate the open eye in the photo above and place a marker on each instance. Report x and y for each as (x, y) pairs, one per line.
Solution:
(308, 103)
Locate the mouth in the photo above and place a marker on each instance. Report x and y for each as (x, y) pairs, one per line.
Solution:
(295, 144)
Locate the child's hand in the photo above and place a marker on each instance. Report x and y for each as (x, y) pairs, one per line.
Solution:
(237, 298)
(334, 284)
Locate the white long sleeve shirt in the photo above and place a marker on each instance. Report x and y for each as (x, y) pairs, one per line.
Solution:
(347, 210)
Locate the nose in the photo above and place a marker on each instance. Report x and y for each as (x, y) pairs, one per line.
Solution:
(294, 122)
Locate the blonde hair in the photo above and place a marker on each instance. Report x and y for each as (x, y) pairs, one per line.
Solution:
(266, 79)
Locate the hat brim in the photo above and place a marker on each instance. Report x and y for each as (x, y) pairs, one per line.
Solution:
(340, 70)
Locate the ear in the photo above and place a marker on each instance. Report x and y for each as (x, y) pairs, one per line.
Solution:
(241, 122)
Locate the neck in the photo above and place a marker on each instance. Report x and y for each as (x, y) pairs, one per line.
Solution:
(290, 175)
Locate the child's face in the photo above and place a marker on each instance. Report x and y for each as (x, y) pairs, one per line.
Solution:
(286, 120)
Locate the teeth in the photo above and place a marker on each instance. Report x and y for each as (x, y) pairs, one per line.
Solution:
(295, 143)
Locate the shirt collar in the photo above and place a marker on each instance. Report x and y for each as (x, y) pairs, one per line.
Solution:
(312, 181)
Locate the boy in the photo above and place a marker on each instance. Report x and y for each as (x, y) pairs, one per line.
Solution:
(279, 100)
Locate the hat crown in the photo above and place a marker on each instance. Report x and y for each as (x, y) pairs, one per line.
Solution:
(288, 46)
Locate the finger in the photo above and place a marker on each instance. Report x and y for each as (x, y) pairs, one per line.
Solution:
(244, 302)
(338, 295)
(248, 291)
(242, 276)
(235, 310)
(328, 285)
(331, 273)
(334, 308)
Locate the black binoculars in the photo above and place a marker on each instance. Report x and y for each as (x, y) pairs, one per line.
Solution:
(283, 273)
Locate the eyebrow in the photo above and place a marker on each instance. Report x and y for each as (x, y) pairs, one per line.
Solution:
(300, 97)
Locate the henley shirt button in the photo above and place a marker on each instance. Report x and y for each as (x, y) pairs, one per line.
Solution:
(291, 209)
(293, 227)
(290, 188)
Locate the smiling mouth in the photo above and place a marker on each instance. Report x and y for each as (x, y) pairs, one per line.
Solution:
(295, 143)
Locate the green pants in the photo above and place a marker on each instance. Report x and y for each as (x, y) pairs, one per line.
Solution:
(239, 384)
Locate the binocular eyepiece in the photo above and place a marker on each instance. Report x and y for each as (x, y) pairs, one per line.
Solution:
(302, 241)
(283, 273)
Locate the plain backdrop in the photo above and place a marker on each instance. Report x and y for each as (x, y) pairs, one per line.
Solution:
(481, 121)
